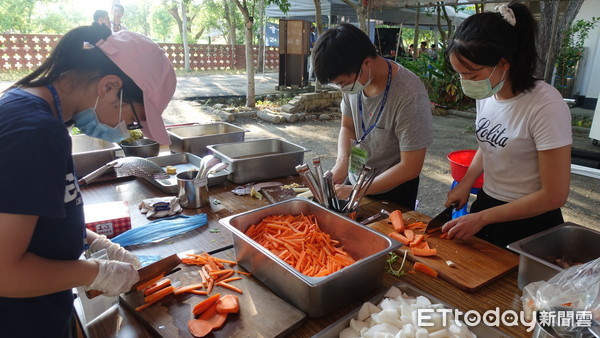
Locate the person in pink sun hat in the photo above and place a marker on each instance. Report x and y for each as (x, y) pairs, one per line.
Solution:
(106, 85)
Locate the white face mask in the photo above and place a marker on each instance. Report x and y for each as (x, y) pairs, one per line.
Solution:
(481, 89)
(355, 87)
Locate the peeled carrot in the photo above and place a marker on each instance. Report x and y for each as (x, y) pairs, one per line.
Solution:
(420, 245)
(230, 287)
(199, 328)
(425, 269)
(228, 304)
(244, 273)
(215, 318)
(230, 279)
(205, 304)
(409, 234)
(423, 252)
(157, 286)
(397, 221)
(400, 238)
(198, 292)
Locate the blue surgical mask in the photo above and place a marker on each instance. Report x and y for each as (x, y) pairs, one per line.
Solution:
(481, 89)
(87, 121)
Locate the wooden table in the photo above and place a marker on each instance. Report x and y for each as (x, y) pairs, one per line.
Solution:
(118, 322)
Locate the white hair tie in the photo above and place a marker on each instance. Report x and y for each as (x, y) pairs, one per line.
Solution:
(507, 14)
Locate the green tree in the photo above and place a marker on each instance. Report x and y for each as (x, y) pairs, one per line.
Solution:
(163, 24)
(137, 17)
(16, 15)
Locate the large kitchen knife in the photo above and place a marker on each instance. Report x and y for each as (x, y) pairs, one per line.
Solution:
(148, 272)
(441, 219)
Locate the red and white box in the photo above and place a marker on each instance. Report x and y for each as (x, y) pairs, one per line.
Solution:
(109, 219)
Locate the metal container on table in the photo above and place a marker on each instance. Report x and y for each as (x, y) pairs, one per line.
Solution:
(141, 148)
(90, 153)
(538, 253)
(194, 139)
(258, 160)
(317, 296)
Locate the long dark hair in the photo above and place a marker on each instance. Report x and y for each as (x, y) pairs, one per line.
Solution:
(75, 52)
(485, 38)
(340, 51)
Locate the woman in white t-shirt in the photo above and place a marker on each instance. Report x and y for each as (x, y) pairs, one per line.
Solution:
(523, 129)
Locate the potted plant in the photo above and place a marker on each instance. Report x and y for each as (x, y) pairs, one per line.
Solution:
(571, 52)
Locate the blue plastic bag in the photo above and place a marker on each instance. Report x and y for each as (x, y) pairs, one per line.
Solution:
(160, 229)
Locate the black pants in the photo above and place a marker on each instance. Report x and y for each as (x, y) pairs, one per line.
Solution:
(405, 194)
(502, 234)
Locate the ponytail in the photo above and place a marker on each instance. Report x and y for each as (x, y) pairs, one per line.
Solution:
(76, 52)
(485, 38)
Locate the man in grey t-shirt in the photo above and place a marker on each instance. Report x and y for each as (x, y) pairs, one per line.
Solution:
(386, 116)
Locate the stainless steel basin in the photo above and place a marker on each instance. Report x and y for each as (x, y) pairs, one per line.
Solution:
(194, 139)
(91, 153)
(539, 252)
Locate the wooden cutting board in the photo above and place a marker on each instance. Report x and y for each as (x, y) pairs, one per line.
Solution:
(262, 313)
(477, 262)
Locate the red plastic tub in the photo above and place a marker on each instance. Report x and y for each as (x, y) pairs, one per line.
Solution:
(460, 161)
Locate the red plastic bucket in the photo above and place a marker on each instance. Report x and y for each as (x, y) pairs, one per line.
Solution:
(460, 161)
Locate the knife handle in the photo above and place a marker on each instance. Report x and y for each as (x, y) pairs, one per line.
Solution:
(93, 293)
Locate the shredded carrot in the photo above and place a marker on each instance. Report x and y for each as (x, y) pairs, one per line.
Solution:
(299, 241)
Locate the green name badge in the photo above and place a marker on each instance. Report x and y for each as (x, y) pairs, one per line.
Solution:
(358, 158)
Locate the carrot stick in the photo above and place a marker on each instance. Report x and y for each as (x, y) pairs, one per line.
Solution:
(158, 295)
(205, 304)
(230, 287)
(423, 252)
(198, 292)
(418, 239)
(211, 284)
(425, 269)
(397, 221)
(219, 272)
(157, 286)
(187, 288)
(400, 238)
(230, 279)
(408, 233)
(224, 276)
(150, 282)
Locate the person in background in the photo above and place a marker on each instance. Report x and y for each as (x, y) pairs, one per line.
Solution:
(423, 48)
(433, 51)
(101, 18)
(523, 128)
(386, 115)
(411, 50)
(117, 11)
(311, 45)
(105, 84)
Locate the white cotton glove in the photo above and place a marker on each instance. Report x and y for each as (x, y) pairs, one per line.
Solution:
(114, 277)
(114, 251)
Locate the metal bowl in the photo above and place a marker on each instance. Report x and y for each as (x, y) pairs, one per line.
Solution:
(141, 148)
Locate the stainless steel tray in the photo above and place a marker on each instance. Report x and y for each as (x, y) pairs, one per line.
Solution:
(257, 160)
(194, 138)
(183, 162)
(317, 296)
(91, 153)
(334, 329)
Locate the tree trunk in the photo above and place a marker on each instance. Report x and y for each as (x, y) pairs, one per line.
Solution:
(186, 47)
(251, 93)
(546, 38)
(416, 48)
(261, 39)
(231, 36)
(320, 30)
(362, 13)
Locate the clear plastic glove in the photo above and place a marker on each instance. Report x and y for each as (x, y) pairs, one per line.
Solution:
(115, 251)
(114, 277)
